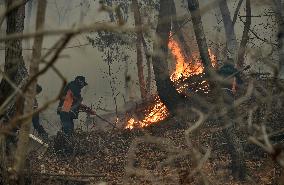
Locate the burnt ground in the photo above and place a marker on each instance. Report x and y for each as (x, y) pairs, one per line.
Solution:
(159, 154)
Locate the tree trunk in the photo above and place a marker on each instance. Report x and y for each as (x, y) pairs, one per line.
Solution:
(234, 145)
(166, 91)
(237, 11)
(236, 151)
(279, 13)
(14, 66)
(245, 37)
(111, 14)
(139, 39)
(178, 31)
(281, 38)
(149, 69)
(3, 160)
(235, 148)
(232, 45)
(193, 6)
(177, 27)
(30, 5)
(23, 142)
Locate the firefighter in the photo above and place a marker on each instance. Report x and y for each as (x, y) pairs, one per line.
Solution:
(227, 70)
(35, 119)
(69, 105)
(234, 146)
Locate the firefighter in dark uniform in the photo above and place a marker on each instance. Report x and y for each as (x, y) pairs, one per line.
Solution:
(35, 119)
(225, 71)
(234, 145)
(69, 105)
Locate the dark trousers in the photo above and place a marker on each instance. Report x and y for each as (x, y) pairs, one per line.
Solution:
(37, 126)
(67, 123)
(234, 145)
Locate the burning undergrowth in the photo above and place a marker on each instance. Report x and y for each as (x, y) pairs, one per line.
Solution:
(187, 76)
(155, 112)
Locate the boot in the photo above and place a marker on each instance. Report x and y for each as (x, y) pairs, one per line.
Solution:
(42, 133)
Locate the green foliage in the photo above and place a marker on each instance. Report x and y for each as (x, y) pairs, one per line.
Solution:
(113, 45)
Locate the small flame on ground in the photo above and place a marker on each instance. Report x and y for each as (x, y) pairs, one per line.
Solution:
(131, 123)
(154, 114)
(183, 70)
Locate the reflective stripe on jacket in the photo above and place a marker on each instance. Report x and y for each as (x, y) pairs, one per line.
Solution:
(68, 101)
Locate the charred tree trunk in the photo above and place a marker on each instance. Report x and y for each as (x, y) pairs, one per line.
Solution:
(166, 90)
(178, 31)
(193, 6)
(245, 37)
(232, 45)
(139, 39)
(177, 27)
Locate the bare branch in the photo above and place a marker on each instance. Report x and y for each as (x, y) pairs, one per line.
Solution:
(97, 26)
(237, 11)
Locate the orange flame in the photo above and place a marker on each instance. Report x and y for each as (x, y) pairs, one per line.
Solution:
(131, 123)
(158, 113)
(155, 114)
(183, 70)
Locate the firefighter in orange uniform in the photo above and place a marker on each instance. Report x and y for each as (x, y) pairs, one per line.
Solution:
(69, 105)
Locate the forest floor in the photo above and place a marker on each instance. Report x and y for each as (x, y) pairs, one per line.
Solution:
(158, 154)
(152, 156)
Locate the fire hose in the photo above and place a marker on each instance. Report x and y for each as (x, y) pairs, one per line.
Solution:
(38, 140)
(88, 110)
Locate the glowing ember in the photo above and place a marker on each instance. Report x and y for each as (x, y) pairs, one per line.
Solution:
(131, 123)
(183, 70)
